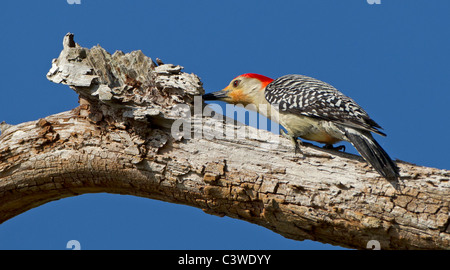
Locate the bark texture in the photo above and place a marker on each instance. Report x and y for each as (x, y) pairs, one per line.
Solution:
(119, 141)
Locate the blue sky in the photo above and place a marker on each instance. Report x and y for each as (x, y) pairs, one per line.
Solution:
(392, 58)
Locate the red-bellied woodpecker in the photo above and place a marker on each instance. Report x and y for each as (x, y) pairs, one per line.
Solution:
(313, 110)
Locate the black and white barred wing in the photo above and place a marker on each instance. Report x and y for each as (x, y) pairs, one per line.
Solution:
(311, 97)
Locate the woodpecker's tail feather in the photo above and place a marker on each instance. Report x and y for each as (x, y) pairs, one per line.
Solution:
(373, 153)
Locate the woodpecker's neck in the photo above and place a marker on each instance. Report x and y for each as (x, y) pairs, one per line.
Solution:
(263, 107)
(258, 97)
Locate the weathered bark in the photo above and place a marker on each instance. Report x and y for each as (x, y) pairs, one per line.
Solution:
(119, 141)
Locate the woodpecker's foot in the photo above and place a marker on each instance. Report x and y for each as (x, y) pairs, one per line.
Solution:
(338, 148)
(296, 143)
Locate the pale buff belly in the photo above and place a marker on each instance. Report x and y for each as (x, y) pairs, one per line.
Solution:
(311, 129)
(304, 127)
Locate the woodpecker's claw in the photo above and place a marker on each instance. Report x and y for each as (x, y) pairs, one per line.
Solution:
(297, 146)
(294, 141)
(338, 148)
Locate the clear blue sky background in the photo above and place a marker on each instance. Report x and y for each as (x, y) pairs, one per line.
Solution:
(392, 58)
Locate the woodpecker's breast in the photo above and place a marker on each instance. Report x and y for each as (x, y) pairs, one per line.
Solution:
(311, 129)
(305, 127)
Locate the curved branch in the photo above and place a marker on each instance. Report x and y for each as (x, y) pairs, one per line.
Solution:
(119, 141)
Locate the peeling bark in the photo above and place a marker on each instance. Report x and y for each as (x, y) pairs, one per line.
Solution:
(119, 141)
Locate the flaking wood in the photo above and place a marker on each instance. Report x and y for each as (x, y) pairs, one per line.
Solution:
(119, 141)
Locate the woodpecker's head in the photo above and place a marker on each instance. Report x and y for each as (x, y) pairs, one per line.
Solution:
(242, 90)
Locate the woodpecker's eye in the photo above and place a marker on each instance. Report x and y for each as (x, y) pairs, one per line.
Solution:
(236, 83)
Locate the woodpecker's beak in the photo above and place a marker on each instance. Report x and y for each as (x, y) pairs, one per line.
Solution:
(219, 95)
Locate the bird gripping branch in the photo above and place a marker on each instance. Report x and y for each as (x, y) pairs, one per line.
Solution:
(313, 110)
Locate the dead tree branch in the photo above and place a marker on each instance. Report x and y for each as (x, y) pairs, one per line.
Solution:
(119, 141)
